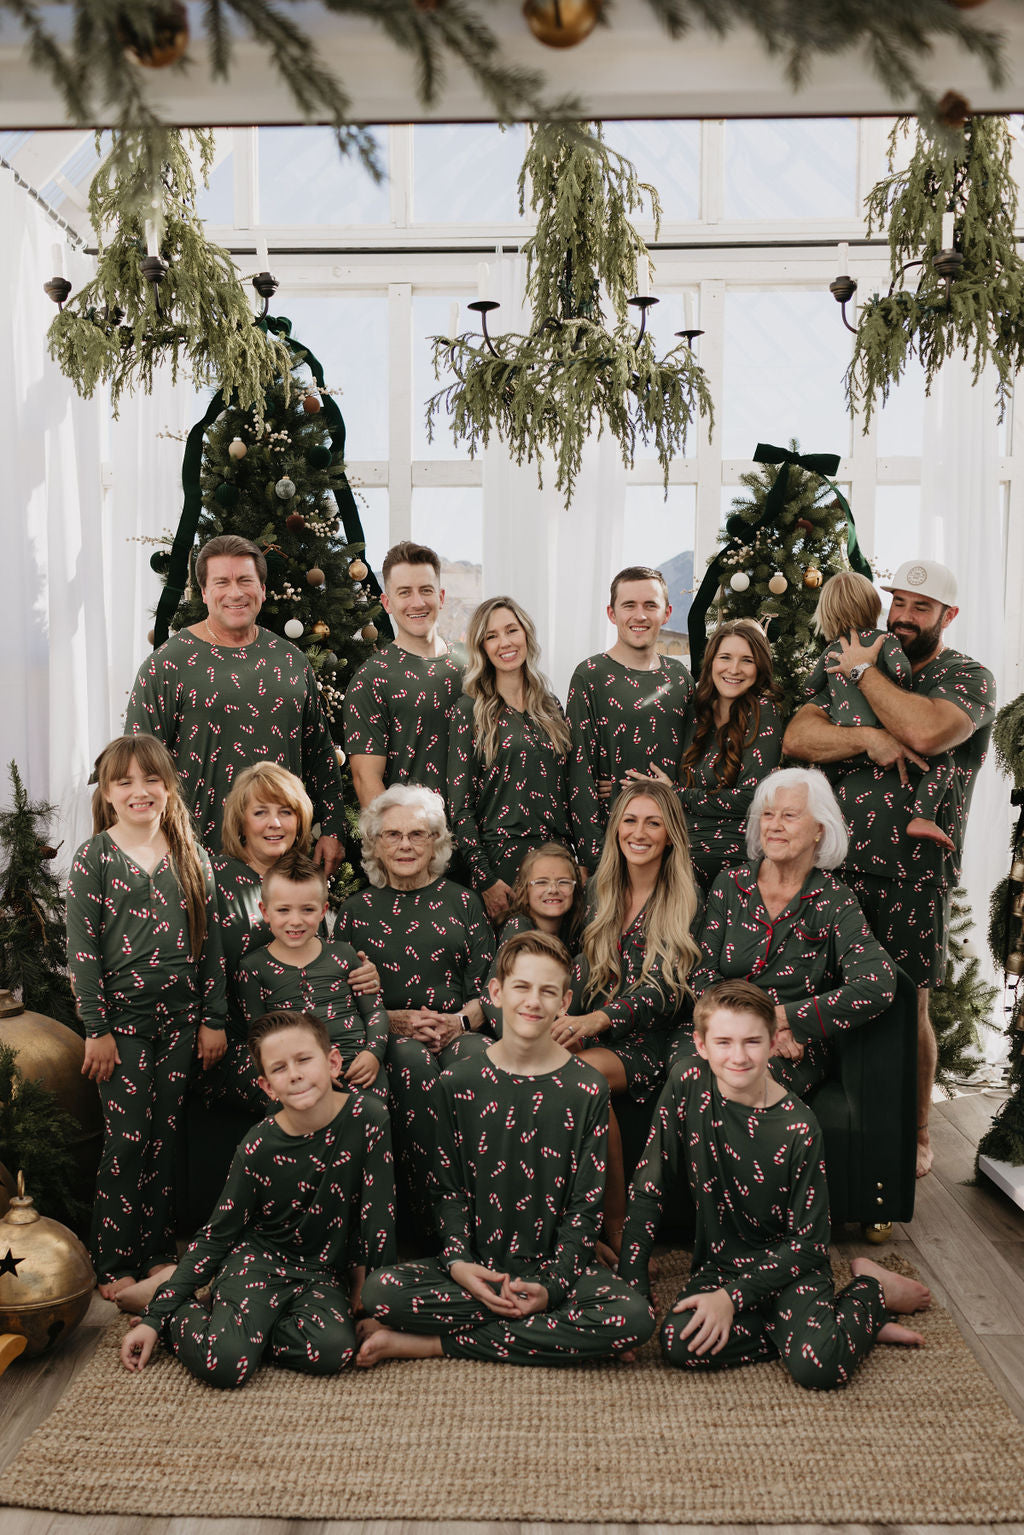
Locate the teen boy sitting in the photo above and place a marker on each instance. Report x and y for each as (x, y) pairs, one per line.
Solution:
(761, 1283)
(308, 1206)
(522, 1136)
(299, 969)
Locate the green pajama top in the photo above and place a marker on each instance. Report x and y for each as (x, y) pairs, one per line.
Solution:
(499, 812)
(620, 719)
(397, 706)
(129, 951)
(757, 1177)
(242, 928)
(716, 815)
(520, 1169)
(875, 805)
(432, 946)
(818, 958)
(320, 1202)
(218, 709)
(264, 983)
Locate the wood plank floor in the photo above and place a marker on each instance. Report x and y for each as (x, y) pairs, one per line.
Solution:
(967, 1243)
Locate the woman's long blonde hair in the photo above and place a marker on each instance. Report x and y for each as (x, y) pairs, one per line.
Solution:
(667, 916)
(152, 756)
(480, 682)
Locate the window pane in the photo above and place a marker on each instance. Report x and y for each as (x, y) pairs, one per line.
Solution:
(659, 532)
(784, 361)
(215, 203)
(901, 418)
(897, 528)
(373, 514)
(304, 179)
(666, 154)
(431, 316)
(797, 168)
(466, 173)
(450, 520)
(348, 333)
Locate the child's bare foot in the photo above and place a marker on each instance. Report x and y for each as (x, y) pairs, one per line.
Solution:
(627, 1356)
(925, 1154)
(385, 1343)
(900, 1294)
(134, 1298)
(110, 1289)
(895, 1332)
(917, 826)
(366, 1327)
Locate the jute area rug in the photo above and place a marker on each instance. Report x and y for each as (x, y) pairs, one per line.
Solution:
(919, 1437)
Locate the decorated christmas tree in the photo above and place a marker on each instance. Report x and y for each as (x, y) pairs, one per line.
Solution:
(962, 1006)
(37, 1137)
(33, 935)
(784, 537)
(1005, 1140)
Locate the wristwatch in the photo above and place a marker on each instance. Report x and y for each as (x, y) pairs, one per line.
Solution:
(858, 671)
(467, 1027)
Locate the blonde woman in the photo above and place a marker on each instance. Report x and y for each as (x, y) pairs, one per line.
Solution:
(630, 980)
(508, 754)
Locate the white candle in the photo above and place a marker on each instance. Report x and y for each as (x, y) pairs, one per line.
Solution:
(643, 278)
(843, 269)
(152, 242)
(57, 257)
(453, 322)
(262, 255)
(947, 231)
(483, 281)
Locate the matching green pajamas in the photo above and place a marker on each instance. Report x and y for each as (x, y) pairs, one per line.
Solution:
(298, 1212)
(620, 719)
(502, 810)
(134, 975)
(817, 959)
(397, 706)
(219, 708)
(520, 1176)
(757, 1177)
(716, 814)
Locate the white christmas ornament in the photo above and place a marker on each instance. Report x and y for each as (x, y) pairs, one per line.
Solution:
(237, 448)
(778, 584)
(285, 488)
(293, 628)
(740, 581)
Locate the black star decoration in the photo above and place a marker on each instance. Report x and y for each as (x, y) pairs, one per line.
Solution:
(9, 1264)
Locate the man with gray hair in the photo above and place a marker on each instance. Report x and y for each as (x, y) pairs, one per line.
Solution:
(904, 884)
(225, 693)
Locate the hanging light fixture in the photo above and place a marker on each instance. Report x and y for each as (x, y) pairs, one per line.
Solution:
(947, 263)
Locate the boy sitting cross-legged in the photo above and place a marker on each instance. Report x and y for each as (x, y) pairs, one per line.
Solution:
(522, 1135)
(307, 1208)
(761, 1282)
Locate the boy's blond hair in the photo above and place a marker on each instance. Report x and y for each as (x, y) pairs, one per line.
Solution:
(848, 601)
(733, 996)
(544, 945)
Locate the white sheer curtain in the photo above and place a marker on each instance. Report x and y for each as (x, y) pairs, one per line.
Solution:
(79, 489)
(962, 524)
(557, 562)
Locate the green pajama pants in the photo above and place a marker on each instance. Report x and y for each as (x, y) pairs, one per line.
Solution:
(233, 1083)
(602, 1316)
(262, 1306)
(133, 1217)
(820, 1337)
(412, 1073)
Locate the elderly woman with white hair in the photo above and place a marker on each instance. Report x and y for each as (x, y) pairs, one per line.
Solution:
(433, 945)
(784, 921)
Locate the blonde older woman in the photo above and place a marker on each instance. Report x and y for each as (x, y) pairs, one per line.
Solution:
(433, 945)
(784, 921)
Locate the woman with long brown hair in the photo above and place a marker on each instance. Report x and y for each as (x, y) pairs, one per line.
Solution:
(508, 753)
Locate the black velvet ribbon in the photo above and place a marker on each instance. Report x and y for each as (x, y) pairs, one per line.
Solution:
(823, 464)
(192, 505)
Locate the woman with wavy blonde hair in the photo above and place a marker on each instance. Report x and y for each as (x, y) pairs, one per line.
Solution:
(508, 753)
(637, 954)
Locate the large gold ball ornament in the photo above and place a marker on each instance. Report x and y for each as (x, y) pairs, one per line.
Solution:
(53, 1055)
(812, 577)
(369, 632)
(778, 584)
(167, 42)
(561, 23)
(357, 569)
(46, 1279)
(315, 577)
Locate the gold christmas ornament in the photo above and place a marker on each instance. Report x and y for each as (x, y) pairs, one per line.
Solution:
(1017, 871)
(315, 577)
(53, 1055)
(357, 569)
(812, 576)
(1015, 962)
(778, 584)
(340, 756)
(561, 23)
(321, 630)
(237, 448)
(7, 1188)
(369, 632)
(46, 1279)
(311, 404)
(168, 42)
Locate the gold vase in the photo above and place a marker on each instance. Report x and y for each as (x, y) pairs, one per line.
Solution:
(46, 1279)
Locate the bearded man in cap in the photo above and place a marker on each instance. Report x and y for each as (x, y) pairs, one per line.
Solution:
(904, 883)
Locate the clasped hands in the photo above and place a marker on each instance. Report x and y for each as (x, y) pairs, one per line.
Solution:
(503, 1294)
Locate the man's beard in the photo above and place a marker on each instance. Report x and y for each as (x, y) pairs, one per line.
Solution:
(921, 643)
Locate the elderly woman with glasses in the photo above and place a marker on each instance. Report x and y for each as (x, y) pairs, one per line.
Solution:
(433, 946)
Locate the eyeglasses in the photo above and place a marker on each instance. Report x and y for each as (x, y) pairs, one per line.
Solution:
(561, 885)
(415, 838)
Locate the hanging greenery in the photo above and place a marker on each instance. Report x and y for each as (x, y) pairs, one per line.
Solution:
(967, 172)
(116, 329)
(572, 377)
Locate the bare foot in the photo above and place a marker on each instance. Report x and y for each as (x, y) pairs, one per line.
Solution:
(134, 1298)
(919, 827)
(385, 1343)
(925, 1155)
(900, 1294)
(627, 1356)
(366, 1327)
(110, 1289)
(895, 1332)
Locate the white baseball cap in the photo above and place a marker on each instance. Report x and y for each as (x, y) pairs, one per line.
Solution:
(928, 579)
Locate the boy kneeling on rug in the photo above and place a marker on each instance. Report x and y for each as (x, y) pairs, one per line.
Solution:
(761, 1282)
(520, 1174)
(309, 1205)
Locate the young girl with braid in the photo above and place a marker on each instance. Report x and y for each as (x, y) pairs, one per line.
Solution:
(145, 959)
